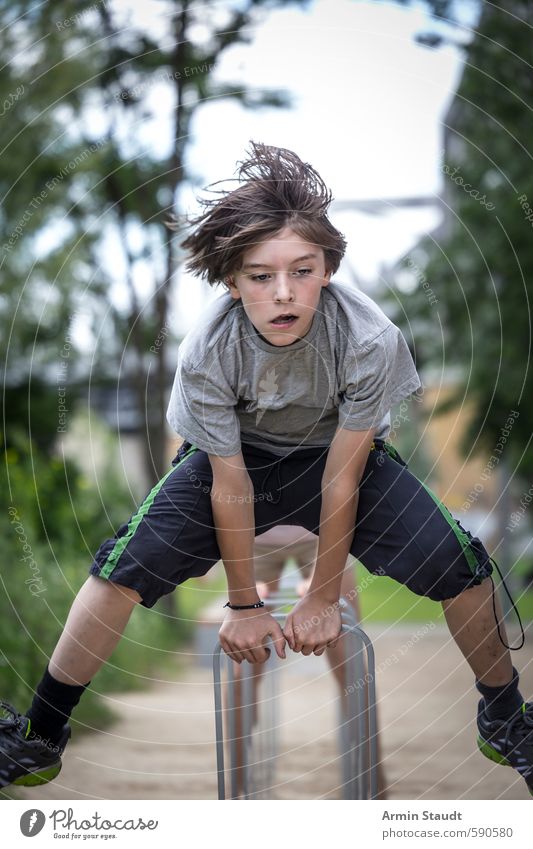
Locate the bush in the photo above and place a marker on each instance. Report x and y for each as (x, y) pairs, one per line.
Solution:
(52, 521)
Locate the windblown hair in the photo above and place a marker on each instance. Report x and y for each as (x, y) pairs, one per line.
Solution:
(276, 189)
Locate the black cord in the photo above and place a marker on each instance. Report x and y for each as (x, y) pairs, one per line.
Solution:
(511, 648)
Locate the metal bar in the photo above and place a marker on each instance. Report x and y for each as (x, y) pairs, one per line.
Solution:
(231, 724)
(246, 670)
(354, 706)
(358, 751)
(352, 753)
(372, 715)
(218, 722)
(370, 738)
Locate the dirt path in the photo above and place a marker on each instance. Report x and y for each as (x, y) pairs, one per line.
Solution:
(163, 747)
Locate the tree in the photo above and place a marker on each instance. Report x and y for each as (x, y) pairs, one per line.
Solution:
(141, 190)
(479, 265)
(119, 190)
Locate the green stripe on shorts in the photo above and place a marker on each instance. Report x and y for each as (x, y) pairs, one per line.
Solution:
(462, 537)
(122, 542)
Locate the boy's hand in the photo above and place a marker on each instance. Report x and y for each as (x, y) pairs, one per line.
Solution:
(244, 633)
(312, 625)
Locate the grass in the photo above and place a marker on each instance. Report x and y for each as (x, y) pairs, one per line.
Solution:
(385, 600)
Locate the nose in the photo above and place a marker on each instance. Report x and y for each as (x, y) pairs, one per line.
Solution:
(283, 290)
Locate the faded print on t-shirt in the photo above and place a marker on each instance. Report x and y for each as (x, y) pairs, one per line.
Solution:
(233, 387)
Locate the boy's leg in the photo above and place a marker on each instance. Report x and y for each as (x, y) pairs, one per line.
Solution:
(94, 626)
(170, 539)
(95, 623)
(31, 745)
(405, 532)
(470, 618)
(137, 566)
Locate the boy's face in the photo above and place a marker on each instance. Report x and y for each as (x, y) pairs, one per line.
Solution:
(279, 278)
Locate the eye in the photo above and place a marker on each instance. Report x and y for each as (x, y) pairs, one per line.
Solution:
(259, 278)
(303, 271)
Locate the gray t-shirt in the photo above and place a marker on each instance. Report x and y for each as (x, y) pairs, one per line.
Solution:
(233, 387)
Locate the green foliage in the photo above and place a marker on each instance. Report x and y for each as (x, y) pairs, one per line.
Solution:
(479, 264)
(52, 520)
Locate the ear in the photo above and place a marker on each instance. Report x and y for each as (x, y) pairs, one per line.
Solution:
(232, 288)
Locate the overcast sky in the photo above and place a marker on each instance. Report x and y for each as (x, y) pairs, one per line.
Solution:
(368, 107)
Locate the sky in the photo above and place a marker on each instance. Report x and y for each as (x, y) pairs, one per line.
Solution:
(368, 110)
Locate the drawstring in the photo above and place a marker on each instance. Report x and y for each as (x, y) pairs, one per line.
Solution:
(511, 648)
(275, 466)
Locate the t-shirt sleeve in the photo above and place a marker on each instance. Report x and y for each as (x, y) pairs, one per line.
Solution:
(376, 377)
(202, 409)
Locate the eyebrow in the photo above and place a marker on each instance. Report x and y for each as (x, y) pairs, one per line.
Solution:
(265, 265)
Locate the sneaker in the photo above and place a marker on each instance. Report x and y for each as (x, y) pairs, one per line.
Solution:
(23, 760)
(509, 741)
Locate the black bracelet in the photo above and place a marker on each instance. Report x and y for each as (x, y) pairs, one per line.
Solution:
(244, 606)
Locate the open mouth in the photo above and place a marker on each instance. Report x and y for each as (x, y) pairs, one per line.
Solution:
(284, 320)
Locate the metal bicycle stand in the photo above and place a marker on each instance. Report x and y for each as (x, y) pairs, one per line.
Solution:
(357, 729)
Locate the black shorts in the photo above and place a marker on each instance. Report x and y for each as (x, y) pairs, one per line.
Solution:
(402, 529)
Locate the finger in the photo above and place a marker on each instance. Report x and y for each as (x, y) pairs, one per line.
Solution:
(226, 648)
(320, 651)
(298, 639)
(307, 650)
(229, 648)
(257, 652)
(262, 655)
(291, 633)
(264, 650)
(233, 652)
(248, 655)
(278, 638)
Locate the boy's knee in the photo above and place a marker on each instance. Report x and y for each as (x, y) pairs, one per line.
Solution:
(470, 594)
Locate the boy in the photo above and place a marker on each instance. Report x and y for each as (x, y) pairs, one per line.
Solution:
(282, 394)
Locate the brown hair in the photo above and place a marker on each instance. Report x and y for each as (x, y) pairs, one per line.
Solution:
(276, 189)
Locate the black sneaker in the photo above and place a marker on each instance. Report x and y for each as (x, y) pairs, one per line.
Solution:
(510, 741)
(23, 760)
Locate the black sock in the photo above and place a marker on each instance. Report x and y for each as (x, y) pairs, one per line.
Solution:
(502, 701)
(51, 707)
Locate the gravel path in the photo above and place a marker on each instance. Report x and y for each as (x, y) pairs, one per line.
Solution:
(163, 746)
